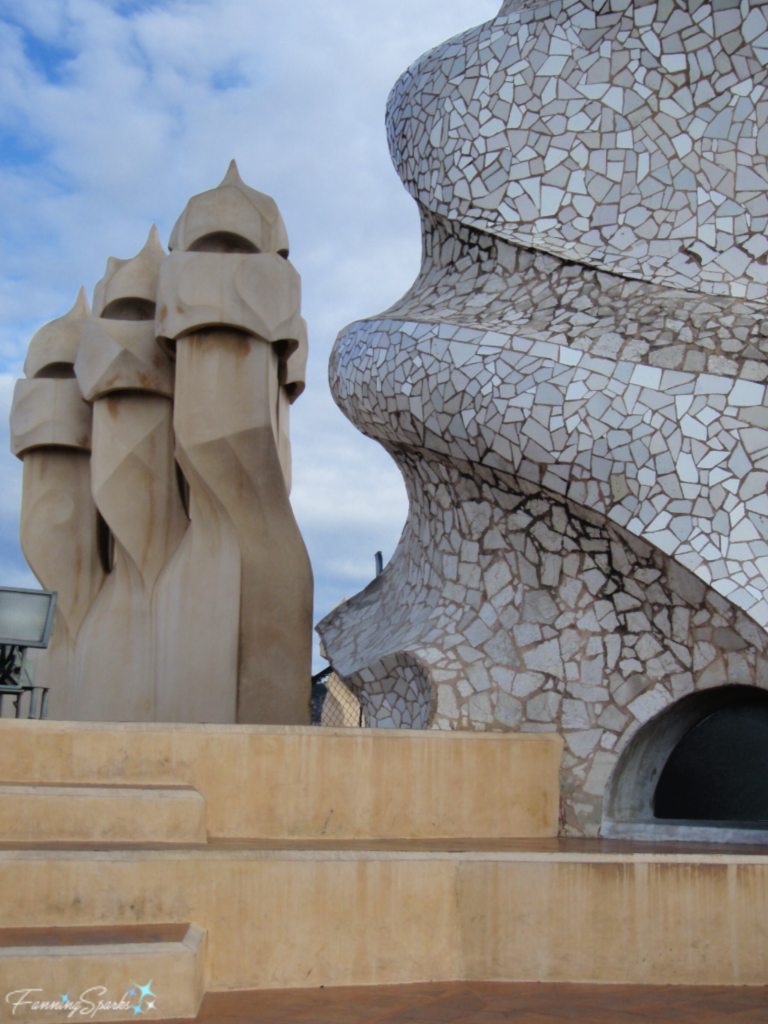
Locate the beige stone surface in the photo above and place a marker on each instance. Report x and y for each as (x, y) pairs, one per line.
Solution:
(657, 919)
(117, 350)
(134, 487)
(53, 348)
(289, 919)
(292, 375)
(225, 421)
(58, 529)
(59, 541)
(112, 814)
(197, 619)
(51, 433)
(295, 376)
(326, 916)
(51, 413)
(121, 354)
(134, 478)
(232, 211)
(100, 974)
(234, 605)
(113, 660)
(256, 293)
(303, 782)
(283, 436)
(127, 290)
(202, 611)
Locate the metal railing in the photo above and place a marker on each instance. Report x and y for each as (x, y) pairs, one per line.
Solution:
(16, 693)
(12, 684)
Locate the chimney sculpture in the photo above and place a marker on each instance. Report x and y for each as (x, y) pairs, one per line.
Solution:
(129, 380)
(185, 567)
(51, 433)
(229, 306)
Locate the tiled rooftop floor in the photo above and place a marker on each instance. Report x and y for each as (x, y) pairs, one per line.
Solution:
(491, 1003)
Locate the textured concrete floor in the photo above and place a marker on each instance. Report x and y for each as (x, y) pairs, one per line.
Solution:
(491, 1003)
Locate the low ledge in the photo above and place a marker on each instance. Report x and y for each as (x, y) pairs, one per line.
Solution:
(99, 978)
(308, 782)
(215, 729)
(100, 813)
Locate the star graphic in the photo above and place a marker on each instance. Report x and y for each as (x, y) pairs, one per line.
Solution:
(131, 991)
(150, 1005)
(137, 1010)
(146, 990)
(65, 999)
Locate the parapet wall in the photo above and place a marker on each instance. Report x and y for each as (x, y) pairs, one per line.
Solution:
(294, 782)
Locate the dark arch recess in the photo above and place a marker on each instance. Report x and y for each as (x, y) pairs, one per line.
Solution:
(223, 241)
(718, 772)
(701, 765)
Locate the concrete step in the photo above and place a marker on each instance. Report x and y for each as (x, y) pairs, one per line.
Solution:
(61, 974)
(108, 814)
(555, 911)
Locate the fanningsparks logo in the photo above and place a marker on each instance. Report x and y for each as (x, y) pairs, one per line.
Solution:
(139, 998)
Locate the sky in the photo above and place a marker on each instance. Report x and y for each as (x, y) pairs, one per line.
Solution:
(114, 112)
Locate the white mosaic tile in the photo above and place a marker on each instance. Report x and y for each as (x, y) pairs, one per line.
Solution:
(630, 136)
(574, 388)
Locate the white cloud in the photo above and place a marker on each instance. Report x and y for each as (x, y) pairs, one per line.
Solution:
(113, 113)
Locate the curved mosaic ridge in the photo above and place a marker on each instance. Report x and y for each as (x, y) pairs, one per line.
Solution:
(586, 457)
(631, 136)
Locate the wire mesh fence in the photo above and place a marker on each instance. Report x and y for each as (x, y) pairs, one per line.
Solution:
(334, 705)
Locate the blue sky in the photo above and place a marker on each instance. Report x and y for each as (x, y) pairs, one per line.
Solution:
(113, 113)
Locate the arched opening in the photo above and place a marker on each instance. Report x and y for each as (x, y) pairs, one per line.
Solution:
(697, 771)
(395, 692)
(718, 772)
